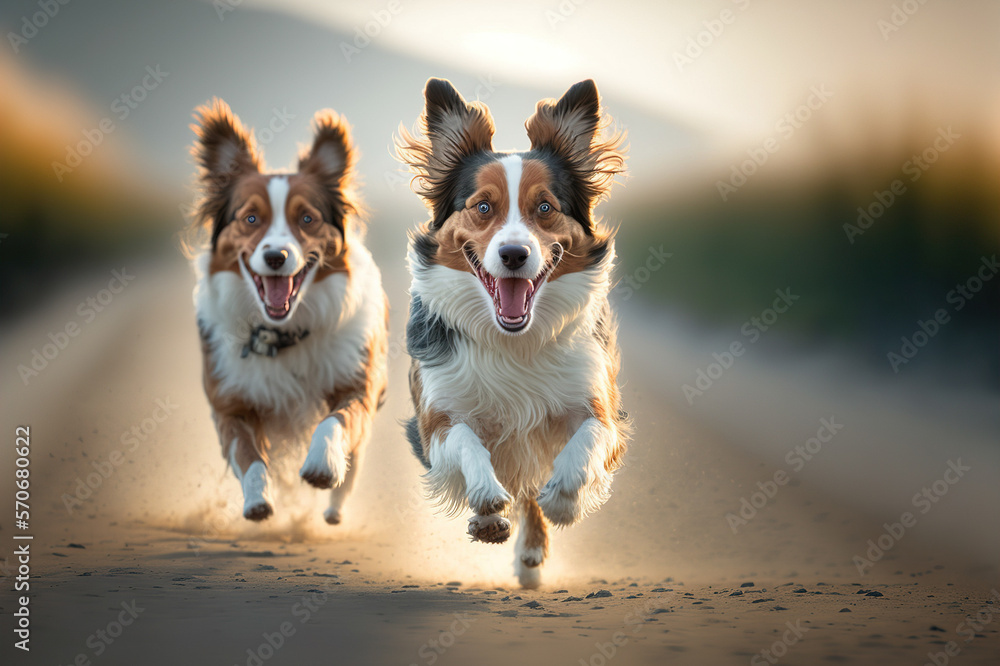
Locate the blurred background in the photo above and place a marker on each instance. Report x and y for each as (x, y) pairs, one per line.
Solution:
(847, 154)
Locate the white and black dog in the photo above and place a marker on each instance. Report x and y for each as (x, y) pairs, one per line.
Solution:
(513, 344)
(290, 307)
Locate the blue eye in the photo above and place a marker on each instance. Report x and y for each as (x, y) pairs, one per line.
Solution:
(306, 219)
(251, 219)
(545, 208)
(483, 207)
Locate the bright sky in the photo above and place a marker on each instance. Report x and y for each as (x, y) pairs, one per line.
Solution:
(761, 64)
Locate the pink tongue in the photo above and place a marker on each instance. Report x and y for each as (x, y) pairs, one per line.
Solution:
(513, 296)
(277, 290)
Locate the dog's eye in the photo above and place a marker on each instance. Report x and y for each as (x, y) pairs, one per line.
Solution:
(483, 207)
(307, 219)
(545, 208)
(251, 219)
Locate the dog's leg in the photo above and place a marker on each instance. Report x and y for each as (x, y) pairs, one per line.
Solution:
(460, 467)
(244, 446)
(581, 480)
(336, 444)
(325, 465)
(338, 495)
(532, 544)
(461, 457)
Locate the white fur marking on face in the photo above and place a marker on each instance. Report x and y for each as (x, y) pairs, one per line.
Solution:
(513, 165)
(279, 235)
(514, 231)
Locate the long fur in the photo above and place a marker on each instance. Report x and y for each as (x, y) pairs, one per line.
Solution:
(526, 425)
(324, 390)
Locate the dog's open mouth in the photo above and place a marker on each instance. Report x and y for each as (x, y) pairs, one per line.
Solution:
(278, 292)
(513, 297)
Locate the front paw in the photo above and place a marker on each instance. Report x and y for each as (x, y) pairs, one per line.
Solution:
(257, 510)
(256, 483)
(561, 505)
(488, 498)
(322, 472)
(326, 463)
(489, 528)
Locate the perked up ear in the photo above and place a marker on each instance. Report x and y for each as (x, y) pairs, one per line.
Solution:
(331, 158)
(224, 150)
(452, 130)
(571, 130)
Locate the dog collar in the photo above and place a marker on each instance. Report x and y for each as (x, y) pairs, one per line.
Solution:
(268, 342)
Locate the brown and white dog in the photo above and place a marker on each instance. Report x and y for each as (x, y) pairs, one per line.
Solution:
(290, 308)
(513, 344)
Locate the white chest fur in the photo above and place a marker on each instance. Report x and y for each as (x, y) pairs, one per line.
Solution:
(340, 313)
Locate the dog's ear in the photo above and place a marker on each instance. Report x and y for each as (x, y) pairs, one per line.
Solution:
(331, 158)
(452, 130)
(223, 150)
(570, 130)
(456, 128)
(568, 126)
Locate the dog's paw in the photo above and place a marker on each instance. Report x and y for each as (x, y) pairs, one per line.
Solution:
(256, 492)
(560, 505)
(321, 474)
(528, 568)
(326, 464)
(533, 557)
(489, 528)
(488, 497)
(257, 510)
(332, 516)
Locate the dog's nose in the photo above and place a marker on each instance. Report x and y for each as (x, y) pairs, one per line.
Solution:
(514, 256)
(275, 258)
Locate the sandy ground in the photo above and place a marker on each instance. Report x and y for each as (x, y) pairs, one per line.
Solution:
(153, 565)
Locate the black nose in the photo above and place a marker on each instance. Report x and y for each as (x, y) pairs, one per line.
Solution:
(514, 256)
(275, 258)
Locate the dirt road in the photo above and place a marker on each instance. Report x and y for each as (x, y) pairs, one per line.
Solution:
(139, 555)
